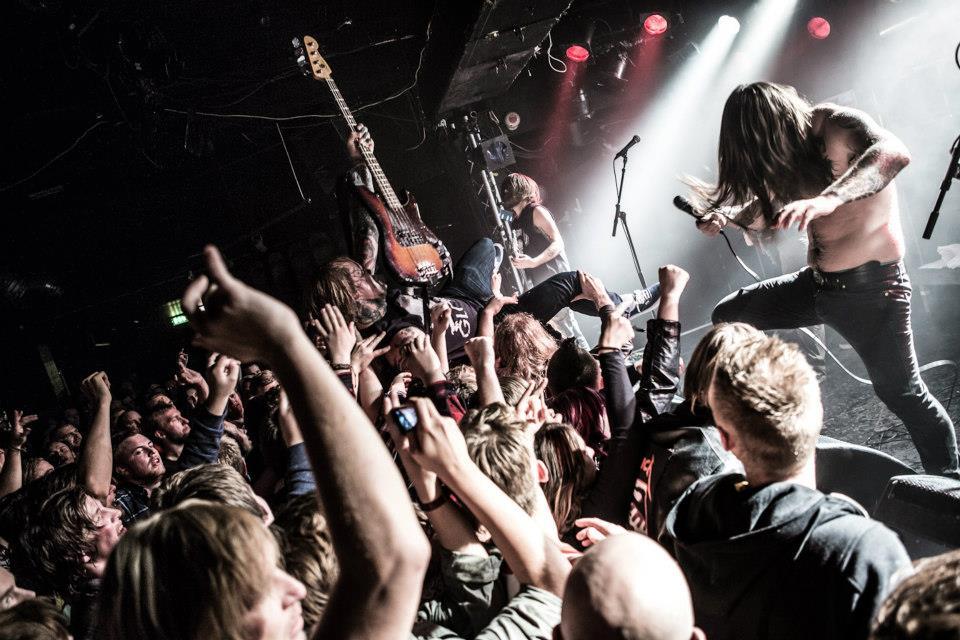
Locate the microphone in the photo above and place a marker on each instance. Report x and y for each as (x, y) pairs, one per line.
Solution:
(623, 152)
(686, 206)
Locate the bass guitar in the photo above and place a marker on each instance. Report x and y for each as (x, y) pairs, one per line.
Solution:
(414, 254)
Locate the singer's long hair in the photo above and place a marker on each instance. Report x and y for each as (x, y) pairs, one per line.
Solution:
(766, 150)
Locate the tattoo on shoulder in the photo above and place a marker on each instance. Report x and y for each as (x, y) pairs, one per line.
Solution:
(879, 155)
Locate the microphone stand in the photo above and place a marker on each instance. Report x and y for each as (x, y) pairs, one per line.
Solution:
(496, 206)
(620, 218)
(953, 172)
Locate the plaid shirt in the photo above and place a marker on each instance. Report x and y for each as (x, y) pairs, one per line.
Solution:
(133, 502)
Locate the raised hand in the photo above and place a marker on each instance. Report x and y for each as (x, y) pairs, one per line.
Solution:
(440, 316)
(617, 331)
(422, 360)
(424, 480)
(340, 336)
(223, 372)
(233, 318)
(96, 387)
(365, 351)
(399, 385)
(673, 280)
(480, 352)
(437, 444)
(592, 289)
(594, 530)
(20, 427)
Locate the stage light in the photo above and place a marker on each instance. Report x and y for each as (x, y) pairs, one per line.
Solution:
(577, 53)
(655, 24)
(818, 28)
(729, 24)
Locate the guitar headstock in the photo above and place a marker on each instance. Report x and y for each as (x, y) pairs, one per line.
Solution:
(308, 57)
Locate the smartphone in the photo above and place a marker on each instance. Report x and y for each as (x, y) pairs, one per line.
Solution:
(405, 418)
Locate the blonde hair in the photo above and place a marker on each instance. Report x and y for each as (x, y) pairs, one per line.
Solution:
(522, 347)
(518, 188)
(703, 360)
(772, 396)
(190, 572)
(499, 444)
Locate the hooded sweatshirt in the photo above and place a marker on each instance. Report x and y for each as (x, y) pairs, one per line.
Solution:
(780, 561)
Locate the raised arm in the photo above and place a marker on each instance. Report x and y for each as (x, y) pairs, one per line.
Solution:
(379, 544)
(96, 459)
(875, 156)
(480, 352)
(13, 441)
(535, 559)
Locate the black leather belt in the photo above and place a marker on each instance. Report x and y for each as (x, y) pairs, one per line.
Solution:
(868, 273)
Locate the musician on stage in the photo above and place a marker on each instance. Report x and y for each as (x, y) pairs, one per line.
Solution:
(829, 171)
(363, 236)
(540, 240)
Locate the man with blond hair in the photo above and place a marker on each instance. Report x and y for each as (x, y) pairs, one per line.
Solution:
(766, 554)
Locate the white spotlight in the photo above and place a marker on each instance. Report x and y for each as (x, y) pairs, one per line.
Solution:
(729, 24)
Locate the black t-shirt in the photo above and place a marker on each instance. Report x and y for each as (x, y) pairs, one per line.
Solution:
(405, 311)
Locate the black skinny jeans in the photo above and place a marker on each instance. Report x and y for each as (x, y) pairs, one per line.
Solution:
(471, 281)
(870, 307)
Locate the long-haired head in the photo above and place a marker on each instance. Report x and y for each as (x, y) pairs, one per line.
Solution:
(766, 149)
(519, 188)
(522, 347)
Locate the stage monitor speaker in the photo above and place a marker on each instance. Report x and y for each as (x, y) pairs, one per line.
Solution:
(855, 471)
(925, 511)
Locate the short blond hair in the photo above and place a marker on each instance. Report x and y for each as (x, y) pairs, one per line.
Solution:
(187, 573)
(772, 398)
(501, 446)
(703, 360)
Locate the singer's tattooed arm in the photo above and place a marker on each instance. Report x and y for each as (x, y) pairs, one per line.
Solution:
(878, 155)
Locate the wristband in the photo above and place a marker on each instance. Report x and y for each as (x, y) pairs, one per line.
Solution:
(342, 367)
(437, 502)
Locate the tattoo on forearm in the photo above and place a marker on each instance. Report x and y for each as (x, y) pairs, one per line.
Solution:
(871, 174)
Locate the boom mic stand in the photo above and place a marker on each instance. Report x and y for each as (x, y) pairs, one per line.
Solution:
(953, 173)
(496, 205)
(620, 218)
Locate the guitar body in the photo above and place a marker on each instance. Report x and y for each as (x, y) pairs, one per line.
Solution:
(412, 251)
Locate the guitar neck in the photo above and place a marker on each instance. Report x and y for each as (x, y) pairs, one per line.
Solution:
(379, 177)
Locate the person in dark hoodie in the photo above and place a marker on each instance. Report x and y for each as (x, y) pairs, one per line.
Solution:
(766, 554)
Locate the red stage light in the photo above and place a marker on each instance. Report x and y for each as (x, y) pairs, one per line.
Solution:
(818, 28)
(655, 24)
(577, 53)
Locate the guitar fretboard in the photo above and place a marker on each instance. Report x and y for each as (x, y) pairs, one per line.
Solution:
(379, 177)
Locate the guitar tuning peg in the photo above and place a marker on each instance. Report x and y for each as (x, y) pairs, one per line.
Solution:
(296, 42)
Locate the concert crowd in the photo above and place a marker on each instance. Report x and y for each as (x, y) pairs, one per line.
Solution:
(327, 483)
(364, 468)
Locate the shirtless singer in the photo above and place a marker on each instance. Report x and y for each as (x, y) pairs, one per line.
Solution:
(829, 170)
